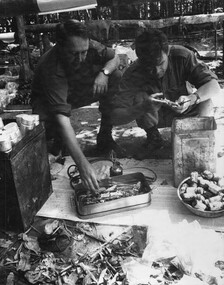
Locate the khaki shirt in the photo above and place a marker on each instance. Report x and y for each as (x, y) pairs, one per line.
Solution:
(183, 66)
(56, 92)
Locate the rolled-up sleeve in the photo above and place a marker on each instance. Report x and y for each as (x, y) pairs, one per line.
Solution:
(50, 87)
(56, 95)
(99, 53)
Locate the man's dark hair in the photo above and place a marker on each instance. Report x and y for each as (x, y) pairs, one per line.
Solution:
(149, 46)
(71, 28)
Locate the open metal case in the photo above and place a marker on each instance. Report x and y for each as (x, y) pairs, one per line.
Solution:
(117, 205)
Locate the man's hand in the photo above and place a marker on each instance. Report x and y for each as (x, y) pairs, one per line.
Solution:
(87, 173)
(88, 176)
(156, 97)
(100, 84)
(182, 104)
(155, 100)
(179, 106)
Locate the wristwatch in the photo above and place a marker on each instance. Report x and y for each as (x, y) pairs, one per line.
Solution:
(105, 71)
(198, 99)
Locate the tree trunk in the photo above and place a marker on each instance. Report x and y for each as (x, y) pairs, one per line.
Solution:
(146, 11)
(115, 10)
(171, 9)
(25, 71)
(160, 23)
(223, 47)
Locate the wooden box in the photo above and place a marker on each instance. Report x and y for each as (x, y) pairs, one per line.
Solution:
(25, 181)
(193, 146)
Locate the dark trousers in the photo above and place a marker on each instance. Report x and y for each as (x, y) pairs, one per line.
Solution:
(54, 140)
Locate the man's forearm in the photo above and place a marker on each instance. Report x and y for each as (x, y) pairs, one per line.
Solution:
(209, 90)
(69, 138)
(87, 172)
(112, 64)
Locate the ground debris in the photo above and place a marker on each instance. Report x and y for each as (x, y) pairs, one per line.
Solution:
(101, 264)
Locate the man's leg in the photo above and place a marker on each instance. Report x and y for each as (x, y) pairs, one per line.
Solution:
(105, 141)
(104, 136)
(54, 142)
(149, 122)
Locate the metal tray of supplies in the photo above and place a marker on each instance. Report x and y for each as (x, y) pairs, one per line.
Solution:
(135, 190)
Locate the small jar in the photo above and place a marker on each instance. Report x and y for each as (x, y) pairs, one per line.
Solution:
(36, 118)
(1, 124)
(19, 119)
(27, 120)
(5, 143)
(25, 129)
(11, 127)
(27, 124)
(116, 169)
(13, 131)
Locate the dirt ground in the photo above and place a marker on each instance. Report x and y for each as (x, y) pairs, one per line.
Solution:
(86, 122)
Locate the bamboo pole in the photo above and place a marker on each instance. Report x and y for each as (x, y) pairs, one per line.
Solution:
(215, 39)
(161, 23)
(25, 71)
(223, 48)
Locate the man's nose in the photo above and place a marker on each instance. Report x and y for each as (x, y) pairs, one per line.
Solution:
(82, 57)
(79, 57)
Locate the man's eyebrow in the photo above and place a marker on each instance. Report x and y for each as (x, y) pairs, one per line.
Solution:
(76, 52)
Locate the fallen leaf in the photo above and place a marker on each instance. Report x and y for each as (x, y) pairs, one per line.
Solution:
(24, 262)
(5, 243)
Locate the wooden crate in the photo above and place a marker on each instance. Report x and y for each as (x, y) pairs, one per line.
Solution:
(193, 146)
(25, 181)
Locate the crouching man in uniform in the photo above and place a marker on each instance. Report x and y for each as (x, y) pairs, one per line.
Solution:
(76, 72)
(163, 71)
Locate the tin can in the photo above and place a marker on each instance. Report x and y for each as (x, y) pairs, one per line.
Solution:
(27, 124)
(27, 120)
(15, 136)
(11, 127)
(13, 131)
(5, 143)
(18, 119)
(1, 124)
(36, 118)
(193, 144)
(116, 169)
(25, 129)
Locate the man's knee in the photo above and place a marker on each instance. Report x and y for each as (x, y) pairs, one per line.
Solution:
(205, 108)
(115, 78)
(116, 74)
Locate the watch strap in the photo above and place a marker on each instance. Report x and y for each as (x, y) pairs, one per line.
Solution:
(198, 99)
(105, 72)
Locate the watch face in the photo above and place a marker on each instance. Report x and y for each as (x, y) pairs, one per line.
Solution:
(106, 72)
